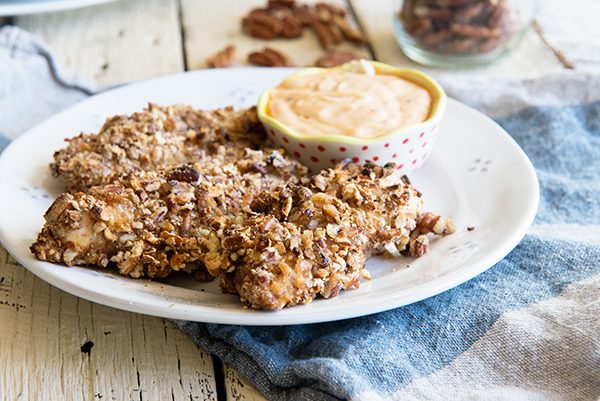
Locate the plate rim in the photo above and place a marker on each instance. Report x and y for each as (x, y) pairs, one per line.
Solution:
(262, 318)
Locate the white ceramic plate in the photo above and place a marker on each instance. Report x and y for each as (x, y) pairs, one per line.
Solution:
(22, 7)
(476, 174)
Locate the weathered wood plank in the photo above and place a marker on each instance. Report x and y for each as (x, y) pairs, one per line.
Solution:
(531, 57)
(238, 388)
(115, 42)
(60, 347)
(132, 356)
(570, 30)
(210, 25)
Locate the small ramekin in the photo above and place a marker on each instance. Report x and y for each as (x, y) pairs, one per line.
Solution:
(408, 147)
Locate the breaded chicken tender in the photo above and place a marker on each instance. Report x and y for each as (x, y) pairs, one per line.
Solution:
(155, 138)
(275, 240)
(178, 189)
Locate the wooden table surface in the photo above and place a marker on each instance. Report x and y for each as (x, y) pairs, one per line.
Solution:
(55, 346)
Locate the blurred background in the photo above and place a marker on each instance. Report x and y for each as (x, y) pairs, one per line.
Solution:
(136, 39)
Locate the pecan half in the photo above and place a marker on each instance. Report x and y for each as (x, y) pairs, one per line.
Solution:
(331, 9)
(277, 4)
(327, 35)
(334, 58)
(418, 26)
(350, 32)
(222, 58)
(304, 13)
(262, 25)
(292, 26)
(269, 57)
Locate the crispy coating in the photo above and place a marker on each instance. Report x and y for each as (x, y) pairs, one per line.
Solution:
(155, 138)
(313, 239)
(273, 247)
(153, 223)
(174, 188)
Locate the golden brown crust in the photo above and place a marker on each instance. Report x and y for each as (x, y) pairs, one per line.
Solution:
(275, 240)
(155, 138)
(239, 211)
(312, 238)
(153, 223)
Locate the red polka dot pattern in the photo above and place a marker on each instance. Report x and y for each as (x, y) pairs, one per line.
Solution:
(325, 155)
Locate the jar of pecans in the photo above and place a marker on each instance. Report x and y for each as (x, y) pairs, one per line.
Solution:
(460, 32)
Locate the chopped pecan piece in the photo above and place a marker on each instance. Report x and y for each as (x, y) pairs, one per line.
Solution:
(183, 173)
(269, 57)
(222, 58)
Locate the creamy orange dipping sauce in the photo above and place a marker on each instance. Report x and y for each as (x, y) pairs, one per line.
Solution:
(348, 103)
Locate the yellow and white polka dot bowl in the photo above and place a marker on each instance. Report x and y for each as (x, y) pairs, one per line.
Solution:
(408, 147)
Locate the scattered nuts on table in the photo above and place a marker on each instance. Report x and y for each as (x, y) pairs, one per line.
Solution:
(269, 57)
(286, 19)
(223, 58)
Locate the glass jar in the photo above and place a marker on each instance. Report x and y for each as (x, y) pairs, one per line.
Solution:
(460, 32)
